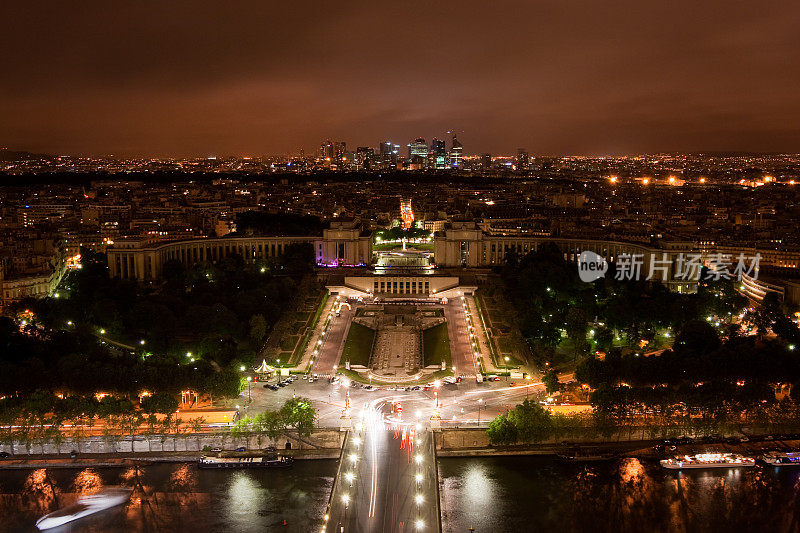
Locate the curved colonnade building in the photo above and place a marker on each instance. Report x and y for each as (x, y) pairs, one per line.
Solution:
(463, 246)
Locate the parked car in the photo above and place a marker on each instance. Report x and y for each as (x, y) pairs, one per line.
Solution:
(4, 455)
(240, 449)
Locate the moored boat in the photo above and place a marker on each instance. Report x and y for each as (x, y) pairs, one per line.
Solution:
(245, 462)
(85, 506)
(708, 460)
(781, 458)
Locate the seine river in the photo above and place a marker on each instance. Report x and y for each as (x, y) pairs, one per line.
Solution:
(508, 494)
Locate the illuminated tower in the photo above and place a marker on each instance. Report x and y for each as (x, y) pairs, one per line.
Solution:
(418, 153)
(438, 154)
(456, 153)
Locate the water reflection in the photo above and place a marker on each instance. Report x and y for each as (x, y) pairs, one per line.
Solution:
(39, 493)
(524, 494)
(87, 482)
(174, 497)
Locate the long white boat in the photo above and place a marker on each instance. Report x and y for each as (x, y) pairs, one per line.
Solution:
(85, 506)
(245, 462)
(708, 460)
(781, 458)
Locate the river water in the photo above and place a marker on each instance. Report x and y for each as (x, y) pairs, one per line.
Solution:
(506, 494)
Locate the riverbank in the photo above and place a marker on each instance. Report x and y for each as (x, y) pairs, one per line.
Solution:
(118, 460)
(639, 449)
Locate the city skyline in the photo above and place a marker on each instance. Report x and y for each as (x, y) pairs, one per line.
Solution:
(161, 80)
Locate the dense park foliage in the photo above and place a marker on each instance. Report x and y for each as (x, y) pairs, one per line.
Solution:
(104, 335)
(717, 362)
(557, 310)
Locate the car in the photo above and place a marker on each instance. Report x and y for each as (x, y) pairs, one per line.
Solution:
(267, 385)
(216, 449)
(281, 384)
(416, 387)
(4, 455)
(239, 449)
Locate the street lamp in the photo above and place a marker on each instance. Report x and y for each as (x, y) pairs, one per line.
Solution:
(249, 379)
(480, 406)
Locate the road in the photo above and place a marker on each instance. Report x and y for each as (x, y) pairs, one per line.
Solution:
(387, 479)
(461, 350)
(333, 342)
(459, 405)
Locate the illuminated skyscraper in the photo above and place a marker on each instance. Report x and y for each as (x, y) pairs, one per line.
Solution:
(339, 150)
(326, 150)
(418, 153)
(388, 153)
(438, 155)
(364, 157)
(456, 153)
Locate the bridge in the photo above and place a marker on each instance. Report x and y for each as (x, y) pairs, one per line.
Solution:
(387, 479)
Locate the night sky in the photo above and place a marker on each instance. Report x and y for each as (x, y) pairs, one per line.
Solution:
(262, 77)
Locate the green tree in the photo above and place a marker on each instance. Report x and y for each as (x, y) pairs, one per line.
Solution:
(258, 328)
(532, 421)
(299, 414)
(160, 402)
(550, 380)
(502, 431)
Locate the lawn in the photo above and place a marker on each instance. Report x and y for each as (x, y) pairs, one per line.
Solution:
(358, 345)
(436, 345)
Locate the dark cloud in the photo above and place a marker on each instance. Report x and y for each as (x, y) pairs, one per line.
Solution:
(269, 77)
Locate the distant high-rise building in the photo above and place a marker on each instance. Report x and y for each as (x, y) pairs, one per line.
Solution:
(456, 153)
(339, 150)
(522, 160)
(418, 153)
(364, 157)
(388, 153)
(437, 155)
(326, 150)
(486, 161)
